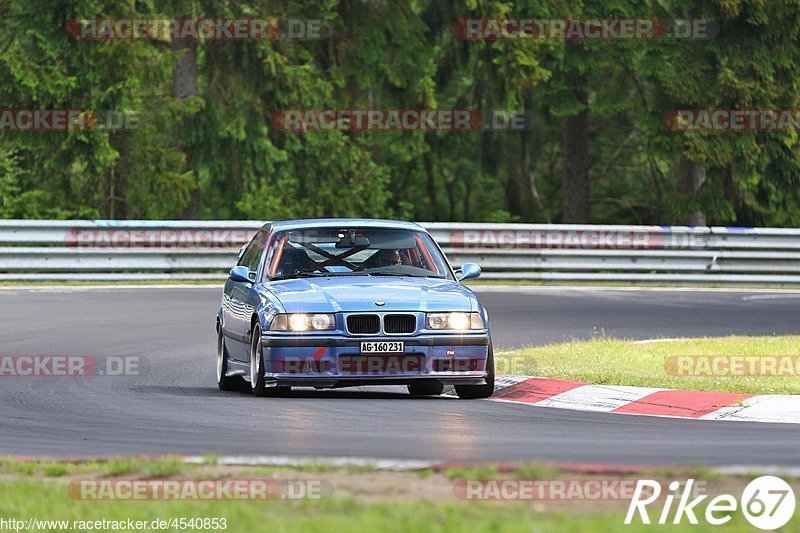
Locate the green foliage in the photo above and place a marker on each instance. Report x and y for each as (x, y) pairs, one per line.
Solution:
(215, 153)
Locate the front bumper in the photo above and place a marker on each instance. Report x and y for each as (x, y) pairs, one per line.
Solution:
(336, 361)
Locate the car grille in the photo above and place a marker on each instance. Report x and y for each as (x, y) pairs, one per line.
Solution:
(363, 324)
(399, 323)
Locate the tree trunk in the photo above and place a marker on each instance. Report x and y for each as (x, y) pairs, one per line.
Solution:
(431, 185)
(691, 176)
(526, 139)
(117, 205)
(184, 86)
(185, 74)
(576, 155)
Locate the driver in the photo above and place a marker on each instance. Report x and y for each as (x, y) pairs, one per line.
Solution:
(388, 258)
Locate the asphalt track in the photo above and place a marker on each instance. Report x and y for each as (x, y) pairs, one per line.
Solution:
(174, 406)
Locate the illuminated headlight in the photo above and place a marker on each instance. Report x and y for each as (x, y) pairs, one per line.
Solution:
(456, 321)
(303, 322)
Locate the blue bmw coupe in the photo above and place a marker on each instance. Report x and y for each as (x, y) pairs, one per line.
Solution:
(350, 302)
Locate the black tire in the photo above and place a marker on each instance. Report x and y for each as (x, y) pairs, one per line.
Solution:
(258, 383)
(226, 383)
(472, 392)
(426, 388)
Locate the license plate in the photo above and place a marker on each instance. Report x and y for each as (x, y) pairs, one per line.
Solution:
(382, 347)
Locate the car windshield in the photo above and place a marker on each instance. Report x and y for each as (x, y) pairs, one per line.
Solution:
(355, 251)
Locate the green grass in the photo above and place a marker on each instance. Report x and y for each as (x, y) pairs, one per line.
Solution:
(621, 362)
(142, 468)
(48, 500)
(491, 471)
(38, 489)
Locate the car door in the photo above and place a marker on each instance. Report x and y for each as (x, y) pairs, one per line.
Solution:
(239, 301)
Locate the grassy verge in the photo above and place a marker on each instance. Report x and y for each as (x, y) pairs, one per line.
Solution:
(621, 362)
(46, 501)
(123, 466)
(360, 500)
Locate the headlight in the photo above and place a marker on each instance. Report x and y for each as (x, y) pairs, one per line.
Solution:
(457, 321)
(303, 322)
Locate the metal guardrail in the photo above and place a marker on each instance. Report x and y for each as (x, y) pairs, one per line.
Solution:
(153, 250)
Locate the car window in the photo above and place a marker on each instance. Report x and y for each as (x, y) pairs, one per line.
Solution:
(252, 253)
(356, 251)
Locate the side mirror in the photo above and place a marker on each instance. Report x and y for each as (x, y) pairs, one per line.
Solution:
(468, 271)
(242, 273)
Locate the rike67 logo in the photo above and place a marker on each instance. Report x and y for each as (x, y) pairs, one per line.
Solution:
(767, 502)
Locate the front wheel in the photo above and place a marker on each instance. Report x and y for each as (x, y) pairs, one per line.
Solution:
(258, 383)
(471, 392)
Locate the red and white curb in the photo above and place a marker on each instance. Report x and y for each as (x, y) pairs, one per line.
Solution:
(565, 394)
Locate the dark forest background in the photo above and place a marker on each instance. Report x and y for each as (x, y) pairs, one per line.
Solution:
(597, 150)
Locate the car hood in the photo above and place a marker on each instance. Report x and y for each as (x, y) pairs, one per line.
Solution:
(355, 293)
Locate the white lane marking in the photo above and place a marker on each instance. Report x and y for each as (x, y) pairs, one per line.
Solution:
(779, 408)
(632, 288)
(723, 413)
(338, 462)
(597, 397)
(72, 288)
(655, 341)
(749, 470)
(501, 381)
(771, 297)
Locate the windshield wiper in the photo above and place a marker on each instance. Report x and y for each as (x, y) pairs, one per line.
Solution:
(302, 275)
(401, 274)
(387, 273)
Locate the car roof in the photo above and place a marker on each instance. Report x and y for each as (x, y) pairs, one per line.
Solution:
(342, 222)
